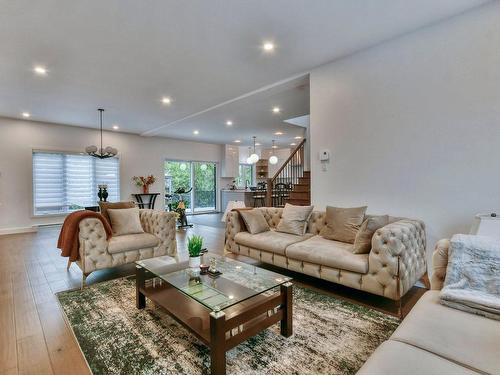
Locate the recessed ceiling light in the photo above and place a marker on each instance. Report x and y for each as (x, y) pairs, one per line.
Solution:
(293, 144)
(276, 109)
(26, 114)
(237, 141)
(196, 132)
(278, 133)
(258, 144)
(298, 137)
(229, 123)
(40, 70)
(268, 46)
(116, 127)
(166, 100)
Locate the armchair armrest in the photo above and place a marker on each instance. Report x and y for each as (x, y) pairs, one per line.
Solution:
(234, 225)
(162, 225)
(93, 245)
(439, 264)
(397, 259)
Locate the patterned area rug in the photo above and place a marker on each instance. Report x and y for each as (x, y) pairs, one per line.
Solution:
(330, 336)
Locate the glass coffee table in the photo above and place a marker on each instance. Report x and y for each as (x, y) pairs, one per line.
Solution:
(222, 311)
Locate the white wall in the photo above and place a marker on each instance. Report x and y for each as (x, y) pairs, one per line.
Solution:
(139, 156)
(414, 125)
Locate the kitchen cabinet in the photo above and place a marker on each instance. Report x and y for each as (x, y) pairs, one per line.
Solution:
(230, 161)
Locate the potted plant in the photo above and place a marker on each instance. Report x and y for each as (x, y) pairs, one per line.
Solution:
(195, 244)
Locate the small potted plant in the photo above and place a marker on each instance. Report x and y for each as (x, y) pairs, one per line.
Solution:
(195, 244)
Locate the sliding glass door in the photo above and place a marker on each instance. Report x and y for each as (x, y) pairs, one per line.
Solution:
(204, 191)
(195, 175)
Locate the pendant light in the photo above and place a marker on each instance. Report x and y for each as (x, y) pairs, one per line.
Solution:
(254, 158)
(101, 153)
(273, 159)
(249, 161)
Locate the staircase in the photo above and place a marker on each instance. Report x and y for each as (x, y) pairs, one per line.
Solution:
(291, 183)
(300, 195)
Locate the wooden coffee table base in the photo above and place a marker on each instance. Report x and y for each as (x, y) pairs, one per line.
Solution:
(221, 330)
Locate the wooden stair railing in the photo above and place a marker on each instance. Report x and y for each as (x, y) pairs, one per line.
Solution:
(291, 173)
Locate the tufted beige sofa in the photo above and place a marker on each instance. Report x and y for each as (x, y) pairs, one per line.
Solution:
(395, 263)
(97, 253)
(436, 339)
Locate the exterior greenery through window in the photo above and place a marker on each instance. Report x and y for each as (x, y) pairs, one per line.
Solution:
(245, 174)
(186, 174)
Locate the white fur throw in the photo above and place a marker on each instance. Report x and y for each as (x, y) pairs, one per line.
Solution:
(472, 281)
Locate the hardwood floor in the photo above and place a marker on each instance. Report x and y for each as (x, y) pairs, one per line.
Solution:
(34, 337)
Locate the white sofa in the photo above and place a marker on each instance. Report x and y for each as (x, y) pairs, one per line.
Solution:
(97, 253)
(395, 262)
(435, 339)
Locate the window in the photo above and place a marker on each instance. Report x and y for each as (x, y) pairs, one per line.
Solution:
(65, 182)
(245, 175)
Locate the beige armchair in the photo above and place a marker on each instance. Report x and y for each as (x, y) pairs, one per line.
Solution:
(97, 253)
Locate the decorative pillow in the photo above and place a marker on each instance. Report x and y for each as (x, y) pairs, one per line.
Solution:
(294, 219)
(342, 224)
(125, 221)
(104, 206)
(254, 221)
(363, 240)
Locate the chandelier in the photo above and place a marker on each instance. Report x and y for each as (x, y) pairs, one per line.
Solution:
(101, 153)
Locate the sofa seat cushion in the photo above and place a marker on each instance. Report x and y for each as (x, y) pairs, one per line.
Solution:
(127, 242)
(393, 357)
(272, 241)
(467, 339)
(335, 254)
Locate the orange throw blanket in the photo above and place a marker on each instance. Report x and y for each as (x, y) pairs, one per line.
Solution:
(68, 238)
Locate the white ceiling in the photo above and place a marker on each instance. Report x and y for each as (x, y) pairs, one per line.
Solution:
(124, 55)
(251, 116)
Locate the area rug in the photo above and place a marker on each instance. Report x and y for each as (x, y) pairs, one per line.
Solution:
(330, 336)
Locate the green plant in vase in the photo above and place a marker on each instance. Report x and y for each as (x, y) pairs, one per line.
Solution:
(195, 244)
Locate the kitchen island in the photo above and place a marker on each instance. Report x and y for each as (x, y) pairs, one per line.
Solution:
(243, 195)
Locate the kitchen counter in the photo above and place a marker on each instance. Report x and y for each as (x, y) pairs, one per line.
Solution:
(236, 195)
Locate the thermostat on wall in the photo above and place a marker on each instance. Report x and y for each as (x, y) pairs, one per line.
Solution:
(324, 155)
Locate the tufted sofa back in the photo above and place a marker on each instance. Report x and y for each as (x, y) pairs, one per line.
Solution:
(316, 222)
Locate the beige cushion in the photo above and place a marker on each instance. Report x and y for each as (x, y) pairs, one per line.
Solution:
(125, 221)
(342, 224)
(254, 221)
(363, 239)
(104, 206)
(128, 242)
(294, 219)
(336, 254)
(464, 338)
(393, 358)
(272, 241)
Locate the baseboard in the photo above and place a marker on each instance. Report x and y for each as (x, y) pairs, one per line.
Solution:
(6, 231)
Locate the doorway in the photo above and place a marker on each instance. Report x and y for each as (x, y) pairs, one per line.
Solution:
(200, 177)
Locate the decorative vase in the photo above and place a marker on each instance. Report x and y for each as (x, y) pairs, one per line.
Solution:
(105, 194)
(194, 262)
(99, 193)
(145, 189)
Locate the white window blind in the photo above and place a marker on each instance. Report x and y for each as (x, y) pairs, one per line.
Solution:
(68, 182)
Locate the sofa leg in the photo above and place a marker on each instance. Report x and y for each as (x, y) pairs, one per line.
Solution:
(400, 308)
(84, 279)
(425, 280)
